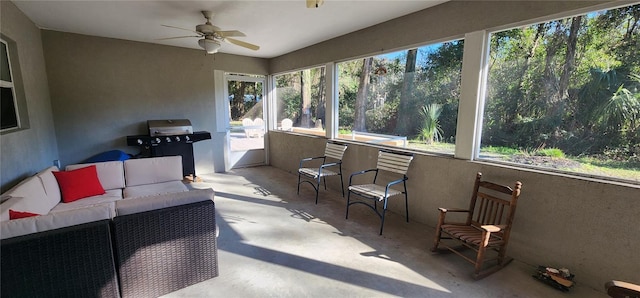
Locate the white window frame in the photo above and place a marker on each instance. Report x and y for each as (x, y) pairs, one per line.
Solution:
(11, 85)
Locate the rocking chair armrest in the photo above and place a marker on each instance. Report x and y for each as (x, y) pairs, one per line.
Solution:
(616, 288)
(493, 228)
(445, 210)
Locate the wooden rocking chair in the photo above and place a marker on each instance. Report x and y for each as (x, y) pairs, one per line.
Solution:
(487, 227)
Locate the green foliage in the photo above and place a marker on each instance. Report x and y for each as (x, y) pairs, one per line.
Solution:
(500, 150)
(381, 120)
(575, 92)
(550, 152)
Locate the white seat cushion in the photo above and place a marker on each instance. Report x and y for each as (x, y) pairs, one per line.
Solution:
(373, 190)
(131, 206)
(154, 189)
(108, 198)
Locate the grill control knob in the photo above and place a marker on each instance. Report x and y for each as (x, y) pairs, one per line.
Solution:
(187, 138)
(177, 139)
(168, 140)
(158, 140)
(139, 141)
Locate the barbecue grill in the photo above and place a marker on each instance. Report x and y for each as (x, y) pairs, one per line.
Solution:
(169, 138)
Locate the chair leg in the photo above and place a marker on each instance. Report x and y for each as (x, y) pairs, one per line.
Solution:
(348, 197)
(406, 205)
(384, 211)
(436, 239)
(299, 182)
(318, 188)
(342, 185)
(324, 179)
(481, 250)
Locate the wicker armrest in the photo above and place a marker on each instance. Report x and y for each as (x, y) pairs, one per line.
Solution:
(167, 249)
(74, 261)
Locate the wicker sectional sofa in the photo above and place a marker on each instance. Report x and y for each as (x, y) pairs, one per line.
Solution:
(146, 236)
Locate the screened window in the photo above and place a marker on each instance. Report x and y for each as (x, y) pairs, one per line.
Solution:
(407, 98)
(301, 101)
(565, 95)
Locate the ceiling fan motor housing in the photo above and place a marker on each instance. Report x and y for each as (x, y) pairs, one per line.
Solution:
(206, 29)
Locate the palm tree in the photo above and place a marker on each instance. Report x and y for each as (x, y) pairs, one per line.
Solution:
(431, 130)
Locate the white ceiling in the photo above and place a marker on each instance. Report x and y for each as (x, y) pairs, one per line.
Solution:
(278, 27)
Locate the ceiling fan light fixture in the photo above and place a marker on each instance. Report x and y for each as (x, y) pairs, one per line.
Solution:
(209, 45)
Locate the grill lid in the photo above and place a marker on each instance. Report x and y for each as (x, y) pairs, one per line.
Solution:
(169, 127)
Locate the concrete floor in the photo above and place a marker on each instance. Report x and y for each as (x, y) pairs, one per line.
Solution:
(275, 243)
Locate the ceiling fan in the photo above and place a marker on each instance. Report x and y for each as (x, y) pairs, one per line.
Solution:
(211, 36)
(314, 3)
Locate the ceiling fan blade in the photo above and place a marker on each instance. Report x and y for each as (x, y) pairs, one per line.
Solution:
(314, 3)
(167, 38)
(182, 29)
(242, 44)
(230, 33)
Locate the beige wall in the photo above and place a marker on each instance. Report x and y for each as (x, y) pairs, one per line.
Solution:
(588, 226)
(25, 152)
(105, 89)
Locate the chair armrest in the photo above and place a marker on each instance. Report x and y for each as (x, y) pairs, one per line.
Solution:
(493, 228)
(331, 164)
(443, 214)
(309, 159)
(360, 173)
(395, 182)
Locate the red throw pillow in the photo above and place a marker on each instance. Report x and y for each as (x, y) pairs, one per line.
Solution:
(20, 214)
(79, 183)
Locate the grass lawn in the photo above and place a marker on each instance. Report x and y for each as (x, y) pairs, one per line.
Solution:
(548, 158)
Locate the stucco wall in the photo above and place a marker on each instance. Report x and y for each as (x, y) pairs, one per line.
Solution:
(588, 226)
(105, 89)
(25, 152)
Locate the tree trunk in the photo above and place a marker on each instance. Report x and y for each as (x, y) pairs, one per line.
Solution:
(403, 127)
(570, 57)
(359, 123)
(320, 108)
(237, 104)
(305, 103)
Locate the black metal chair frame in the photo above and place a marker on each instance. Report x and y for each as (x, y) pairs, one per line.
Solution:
(310, 176)
(376, 194)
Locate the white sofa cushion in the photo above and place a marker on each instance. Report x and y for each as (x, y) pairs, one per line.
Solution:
(131, 206)
(153, 170)
(28, 196)
(29, 225)
(154, 189)
(50, 185)
(108, 198)
(110, 173)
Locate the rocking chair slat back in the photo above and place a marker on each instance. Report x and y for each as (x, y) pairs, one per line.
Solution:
(492, 206)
